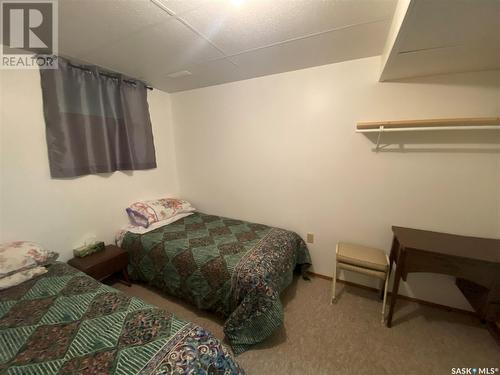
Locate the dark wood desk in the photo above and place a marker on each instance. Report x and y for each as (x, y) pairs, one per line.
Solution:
(469, 258)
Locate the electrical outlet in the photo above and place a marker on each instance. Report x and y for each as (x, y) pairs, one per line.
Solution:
(310, 237)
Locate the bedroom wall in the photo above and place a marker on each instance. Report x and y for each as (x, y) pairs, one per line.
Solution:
(62, 213)
(282, 150)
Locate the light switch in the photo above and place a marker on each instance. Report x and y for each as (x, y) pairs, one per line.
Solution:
(310, 237)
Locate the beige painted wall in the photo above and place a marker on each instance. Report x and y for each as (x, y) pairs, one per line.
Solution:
(282, 150)
(61, 214)
(279, 150)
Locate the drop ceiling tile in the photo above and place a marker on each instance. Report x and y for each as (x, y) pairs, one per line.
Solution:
(85, 25)
(163, 48)
(254, 23)
(443, 23)
(446, 36)
(445, 61)
(346, 44)
(182, 6)
(205, 74)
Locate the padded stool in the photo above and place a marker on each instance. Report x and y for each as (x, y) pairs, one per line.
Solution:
(365, 260)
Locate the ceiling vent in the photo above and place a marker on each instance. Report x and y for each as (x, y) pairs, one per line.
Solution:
(181, 73)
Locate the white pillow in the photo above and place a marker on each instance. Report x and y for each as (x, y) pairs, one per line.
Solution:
(21, 277)
(141, 230)
(22, 255)
(145, 213)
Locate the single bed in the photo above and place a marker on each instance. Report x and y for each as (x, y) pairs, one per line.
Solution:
(235, 268)
(65, 322)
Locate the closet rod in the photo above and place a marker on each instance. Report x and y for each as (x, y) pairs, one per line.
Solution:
(383, 129)
(431, 124)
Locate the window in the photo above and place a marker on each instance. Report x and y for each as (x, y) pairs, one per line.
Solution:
(96, 122)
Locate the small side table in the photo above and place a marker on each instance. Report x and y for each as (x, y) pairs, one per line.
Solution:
(104, 263)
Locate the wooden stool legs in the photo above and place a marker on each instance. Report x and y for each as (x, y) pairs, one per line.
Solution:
(334, 281)
(385, 292)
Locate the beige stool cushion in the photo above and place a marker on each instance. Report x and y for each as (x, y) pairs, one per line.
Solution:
(362, 270)
(362, 256)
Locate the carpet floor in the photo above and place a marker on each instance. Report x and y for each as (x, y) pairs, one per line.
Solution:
(348, 338)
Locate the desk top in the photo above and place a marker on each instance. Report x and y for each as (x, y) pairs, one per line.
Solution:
(487, 249)
(108, 254)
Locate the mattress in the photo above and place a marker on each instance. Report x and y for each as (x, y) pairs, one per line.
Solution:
(66, 322)
(235, 268)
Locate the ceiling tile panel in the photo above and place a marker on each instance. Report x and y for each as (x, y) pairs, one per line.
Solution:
(450, 60)
(446, 23)
(239, 25)
(183, 6)
(346, 44)
(86, 25)
(205, 74)
(445, 36)
(140, 39)
(160, 49)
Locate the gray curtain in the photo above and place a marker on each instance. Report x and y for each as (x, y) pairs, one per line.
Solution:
(95, 122)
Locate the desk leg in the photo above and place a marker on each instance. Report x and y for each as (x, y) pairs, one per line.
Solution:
(393, 254)
(394, 296)
(392, 258)
(494, 330)
(397, 278)
(126, 280)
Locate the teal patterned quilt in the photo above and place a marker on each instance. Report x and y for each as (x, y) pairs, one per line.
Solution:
(65, 322)
(235, 268)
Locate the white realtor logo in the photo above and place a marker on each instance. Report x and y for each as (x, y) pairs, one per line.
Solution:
(28, 34)
(17, 28)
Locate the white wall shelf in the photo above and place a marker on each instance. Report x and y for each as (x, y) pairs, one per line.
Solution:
(470, 123)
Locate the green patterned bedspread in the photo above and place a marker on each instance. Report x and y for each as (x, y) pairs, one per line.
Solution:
(235, 268)
(65, 322)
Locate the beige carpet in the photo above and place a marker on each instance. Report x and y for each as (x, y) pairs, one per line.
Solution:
(348, 338)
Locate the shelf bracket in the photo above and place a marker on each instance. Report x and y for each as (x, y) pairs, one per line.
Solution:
(380, 131)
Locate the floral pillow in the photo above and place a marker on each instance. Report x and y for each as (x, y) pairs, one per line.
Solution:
(22, 255)
(21, 276)
(148, 212)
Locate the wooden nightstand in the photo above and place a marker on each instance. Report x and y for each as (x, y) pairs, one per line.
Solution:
(104, 263)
